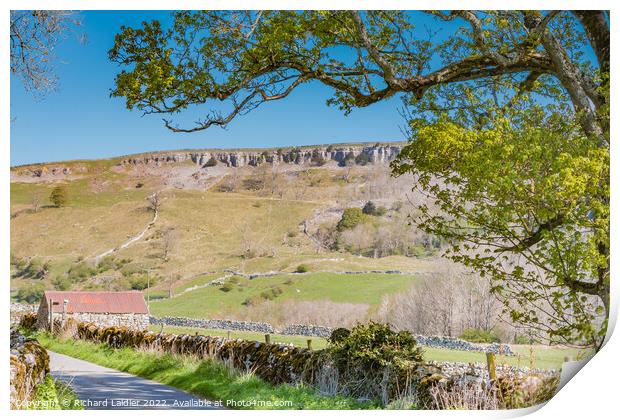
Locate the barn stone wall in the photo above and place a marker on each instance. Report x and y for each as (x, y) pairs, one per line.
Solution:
(130, 320)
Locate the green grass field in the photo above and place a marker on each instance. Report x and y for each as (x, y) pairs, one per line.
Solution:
(352, 288)
(541, 357)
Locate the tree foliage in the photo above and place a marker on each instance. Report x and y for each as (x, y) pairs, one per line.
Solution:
(249, 57)
(351, 217)
(59, 196)
(527, 207)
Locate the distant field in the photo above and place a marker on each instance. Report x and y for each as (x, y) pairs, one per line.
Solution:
(543, 357)
(347, 288)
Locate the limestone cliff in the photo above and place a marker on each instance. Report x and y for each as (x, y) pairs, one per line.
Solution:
(375, 153)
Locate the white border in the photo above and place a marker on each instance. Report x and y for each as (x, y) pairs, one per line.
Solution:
(591, 395)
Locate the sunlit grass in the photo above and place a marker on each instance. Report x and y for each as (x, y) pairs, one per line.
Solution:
(205, 378)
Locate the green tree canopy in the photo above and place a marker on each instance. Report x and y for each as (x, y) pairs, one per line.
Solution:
(529, 209)
(351, 217)
(59, 196)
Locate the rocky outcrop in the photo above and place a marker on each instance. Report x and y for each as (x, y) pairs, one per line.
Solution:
(375, 153)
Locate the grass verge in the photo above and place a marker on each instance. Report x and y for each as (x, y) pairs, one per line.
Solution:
(54, 395)
(204, 378)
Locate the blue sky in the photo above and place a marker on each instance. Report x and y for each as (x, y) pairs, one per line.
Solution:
(80, 120)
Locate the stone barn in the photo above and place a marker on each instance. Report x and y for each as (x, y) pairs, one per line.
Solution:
(118, 309)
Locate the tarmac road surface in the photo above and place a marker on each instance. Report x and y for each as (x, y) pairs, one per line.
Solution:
(101, 388)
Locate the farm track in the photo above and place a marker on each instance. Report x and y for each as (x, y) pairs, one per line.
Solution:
(131, 240)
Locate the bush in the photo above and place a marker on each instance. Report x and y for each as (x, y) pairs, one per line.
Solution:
(18, 263)
(81, 272)
(62, 283)
(129, 270)
(349, 159)
(226, 187)
(270, 294)
(525, 339)
(302, 268)
(362, 159)
(380, 211)
(59, 196)
(372, 210)
(141, 282)
(109, 263)
(35, 269)
(211, 162)
(351, 217)
(339, 335)
(317, 160)
(417, 251)
(253, 184)
(477, 335)
(373, 345)
(252, 301)
(30, 294)
(226, 287)
(373, 360)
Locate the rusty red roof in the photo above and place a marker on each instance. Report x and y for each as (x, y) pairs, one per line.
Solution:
(99, 302)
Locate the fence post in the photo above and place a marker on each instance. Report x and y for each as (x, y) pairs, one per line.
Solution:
(228, 334)
(267, 339)
(51, 310)
(309, 344)
(491, 366)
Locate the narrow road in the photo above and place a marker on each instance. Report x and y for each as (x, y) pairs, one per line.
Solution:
(101, 388)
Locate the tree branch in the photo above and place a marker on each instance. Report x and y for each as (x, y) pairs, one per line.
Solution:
(598, 33)
(536, 236)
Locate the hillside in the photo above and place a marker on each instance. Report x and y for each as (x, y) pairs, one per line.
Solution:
(243, 211)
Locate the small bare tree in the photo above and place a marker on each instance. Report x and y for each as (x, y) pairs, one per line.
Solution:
(34, 35)
(155, 201)
(168, 242)
(172, 280)
(37, 200)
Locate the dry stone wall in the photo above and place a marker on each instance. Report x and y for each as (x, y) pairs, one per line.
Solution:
(29, 365)
(20, 309)
(280, 363)
(220, 324)
(450, 343)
